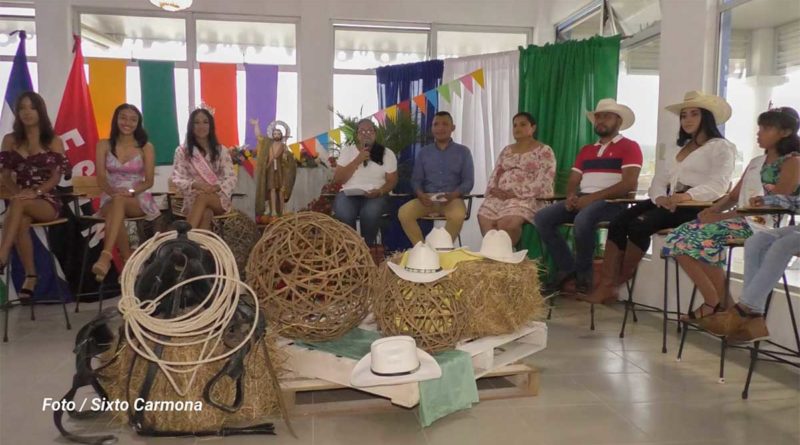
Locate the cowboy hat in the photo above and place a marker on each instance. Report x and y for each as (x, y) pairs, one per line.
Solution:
(422, 266)
(496, 245)
(698, 99)
(611, 106)
(439, 238)
(394, 360)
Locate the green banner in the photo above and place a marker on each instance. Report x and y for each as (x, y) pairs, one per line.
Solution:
(158, 108)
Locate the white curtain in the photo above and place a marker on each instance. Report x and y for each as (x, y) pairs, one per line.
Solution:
(483, 119)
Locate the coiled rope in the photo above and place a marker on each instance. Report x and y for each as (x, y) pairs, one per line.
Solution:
(207, 321)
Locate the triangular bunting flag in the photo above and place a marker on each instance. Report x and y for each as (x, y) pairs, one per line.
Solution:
(295, 150)
(478, 76)
(310, 145)
(323, 141)
(380, 116)
(433, 97)
(444, 90)
(336, 135)
(455, 86)
(467, 81)
(405, 106)
(422, 103)
(391, 113)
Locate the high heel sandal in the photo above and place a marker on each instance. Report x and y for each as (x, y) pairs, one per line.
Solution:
(100, 268)
(26, 293)
(699, 314)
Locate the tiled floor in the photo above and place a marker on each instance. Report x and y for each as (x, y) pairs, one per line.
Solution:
(595, 389)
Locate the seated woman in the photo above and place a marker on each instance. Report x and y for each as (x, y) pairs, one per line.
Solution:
(700, 170)
(203, 172)
(766, 256)
(699, 246)
(368, 173)
(32, 163)
(525, 171)
(125, 171)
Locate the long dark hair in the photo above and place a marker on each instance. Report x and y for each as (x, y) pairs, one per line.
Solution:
(46, 133)
(708, 125)
(138, 134)
(783, 118)
(191, 141)
(377, 150)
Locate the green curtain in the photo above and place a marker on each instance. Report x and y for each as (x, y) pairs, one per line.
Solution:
(158, 108)
(559, 83)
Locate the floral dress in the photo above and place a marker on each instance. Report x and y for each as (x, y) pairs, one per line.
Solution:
(126, 175)
(36, 169)
(527, 175)
(184, 174)
(706, 242)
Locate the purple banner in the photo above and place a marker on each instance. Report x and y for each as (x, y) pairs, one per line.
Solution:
(262, 98)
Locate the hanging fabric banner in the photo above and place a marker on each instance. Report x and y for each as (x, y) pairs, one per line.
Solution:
(467, 81)
(455, 86)
(158, 107)
(444, 90)
(218, 91)
(478, 76)
(107, 88)
(391, 113)
(336, 135)
(261, 92)
(310, 145)
(295, 150)
(380, 116)
(433, 98)
(323, 141)
(422, 103)
(405, 106)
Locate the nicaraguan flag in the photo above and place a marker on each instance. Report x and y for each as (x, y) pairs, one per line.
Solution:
(18, 82)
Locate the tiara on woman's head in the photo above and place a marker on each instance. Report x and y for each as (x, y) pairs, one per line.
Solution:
(205, 106)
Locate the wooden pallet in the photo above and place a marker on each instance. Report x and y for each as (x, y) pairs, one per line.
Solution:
(496, 356)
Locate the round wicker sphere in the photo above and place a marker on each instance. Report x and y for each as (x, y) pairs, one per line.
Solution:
(312, 275)
(500, 297)
(434, 314)
(240, 233)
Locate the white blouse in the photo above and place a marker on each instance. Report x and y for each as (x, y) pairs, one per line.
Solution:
(706, 172)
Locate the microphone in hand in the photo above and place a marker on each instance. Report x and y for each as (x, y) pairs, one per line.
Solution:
(366, 147)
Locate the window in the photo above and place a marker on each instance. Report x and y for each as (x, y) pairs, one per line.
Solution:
(458, 43)
(358, 50)
(626, 17)
(12, 19)
(159, 36)
(758, 68)
(638, 79)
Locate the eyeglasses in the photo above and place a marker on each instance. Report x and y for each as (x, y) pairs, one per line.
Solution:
(366, 131)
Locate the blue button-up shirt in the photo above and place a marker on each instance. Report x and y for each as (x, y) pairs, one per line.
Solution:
(443, 171)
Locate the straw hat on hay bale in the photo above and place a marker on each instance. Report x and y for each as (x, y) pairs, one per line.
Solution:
(500, 297)
(312, 276)
(433, 313)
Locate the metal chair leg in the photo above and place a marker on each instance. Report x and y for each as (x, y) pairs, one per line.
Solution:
(84, 260)
(60, 290)
(664, 310)
(751, 369)
(722, 349)
(591, 325)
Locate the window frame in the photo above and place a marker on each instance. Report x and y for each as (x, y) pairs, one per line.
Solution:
(437, 27)
(23, 18)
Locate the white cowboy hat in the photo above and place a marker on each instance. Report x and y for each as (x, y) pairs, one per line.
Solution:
(611, 106)
(698, 99)
(439, 238)
(394, 360)
(422, 265)
(496, 245)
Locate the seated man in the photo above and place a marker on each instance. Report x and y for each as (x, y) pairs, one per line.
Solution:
(766, 256)
(604, 170)
(442, 174)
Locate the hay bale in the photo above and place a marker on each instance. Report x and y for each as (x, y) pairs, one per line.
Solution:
(500, 297)
(260, 396)
(312, 276)
(433, 313)
(240, 233)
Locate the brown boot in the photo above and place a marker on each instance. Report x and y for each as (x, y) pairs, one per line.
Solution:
(606, 291)
(630, 261)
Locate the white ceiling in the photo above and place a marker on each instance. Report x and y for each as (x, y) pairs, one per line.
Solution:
(765, 13)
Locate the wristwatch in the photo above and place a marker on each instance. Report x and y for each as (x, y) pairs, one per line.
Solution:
(39, 192)
(132, 192)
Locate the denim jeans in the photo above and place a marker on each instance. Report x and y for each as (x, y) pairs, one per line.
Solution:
(766, 255)
(549, 218)
(349, 209)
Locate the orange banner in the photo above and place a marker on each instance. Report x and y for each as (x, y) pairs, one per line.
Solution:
(107, 88)
(218, 91)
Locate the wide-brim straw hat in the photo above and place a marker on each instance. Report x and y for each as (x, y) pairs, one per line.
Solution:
(611, 106)
(718, 106)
